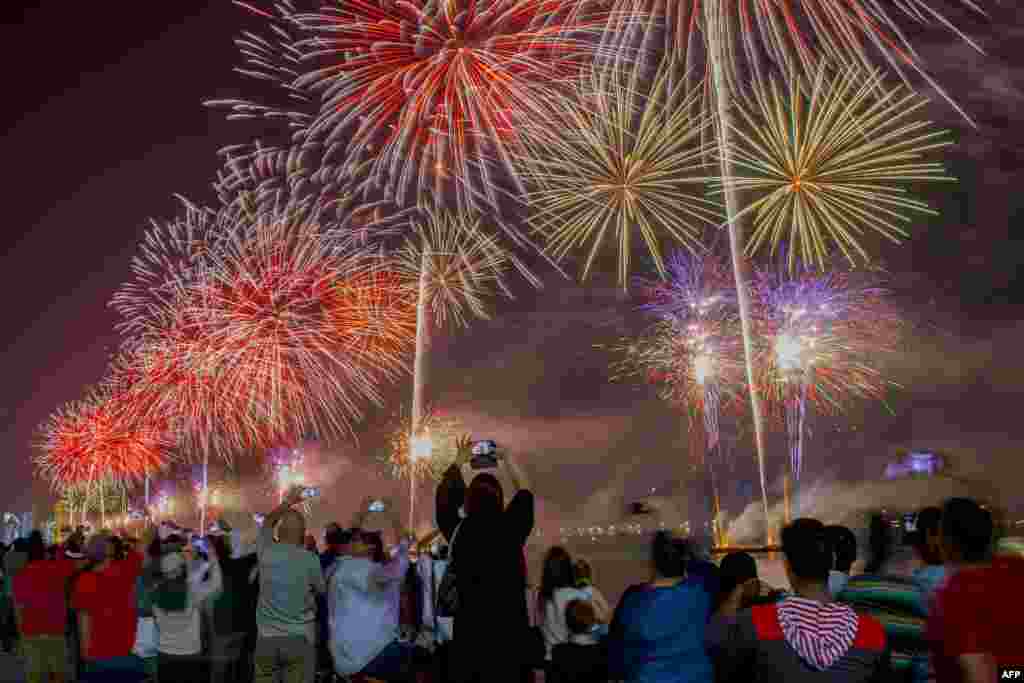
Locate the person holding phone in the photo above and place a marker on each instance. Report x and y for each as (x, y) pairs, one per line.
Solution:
(364, 590)
(290, 577)
(492, 641)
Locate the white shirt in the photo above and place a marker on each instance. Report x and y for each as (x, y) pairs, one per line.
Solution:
(554, 627)
(180, 633)
(363, 602)
(445, 625)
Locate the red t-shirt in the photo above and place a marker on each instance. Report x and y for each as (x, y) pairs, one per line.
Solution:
(108, 596)
(978, 611)
(39, 592)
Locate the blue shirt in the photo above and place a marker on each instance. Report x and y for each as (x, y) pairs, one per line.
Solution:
(657, 635)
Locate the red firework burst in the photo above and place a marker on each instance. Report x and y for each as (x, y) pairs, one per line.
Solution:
(435, 86)
(101, 437)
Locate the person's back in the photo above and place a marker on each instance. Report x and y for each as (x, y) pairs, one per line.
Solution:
(977, 618)
(804, 637)
(581, 659)
(42, 616)
(657, 633)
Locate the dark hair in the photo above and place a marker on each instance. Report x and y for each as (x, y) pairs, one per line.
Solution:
(558, 572)
(580, 616)
(20, 545)
(844, 547)
(485, 495)
(376, 541)
(338, 536)
(879, 544)
(968, 527)
(36, 548)
(929, 521)
(805, 544)
(735, 569)
(669, 555)
(118, 550)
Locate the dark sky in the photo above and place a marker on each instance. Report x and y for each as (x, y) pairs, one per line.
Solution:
(103, 123)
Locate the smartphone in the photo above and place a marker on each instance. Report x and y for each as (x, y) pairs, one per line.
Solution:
(377, 506)
(485, 455)
(259, 519)
(310, 492)
(200, 544)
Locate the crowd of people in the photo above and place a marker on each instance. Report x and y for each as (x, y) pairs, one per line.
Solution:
(458, 606)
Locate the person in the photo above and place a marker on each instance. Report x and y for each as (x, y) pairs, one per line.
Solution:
(289, 577)
(432, 566)
(178, 604)
(844, 554)
(657, 632)
(977, 618)
(337, 541)
(311, 545)
(896, 601)
(363, 600)
(233, 609)
(557, 590)
(926, 540)
(492, 634)
(585, 580)
(738, 583)
(581, 659)
(38, 591)
(804, 637)
(104, 598)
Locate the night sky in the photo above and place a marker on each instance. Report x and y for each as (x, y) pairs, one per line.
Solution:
(102, 123)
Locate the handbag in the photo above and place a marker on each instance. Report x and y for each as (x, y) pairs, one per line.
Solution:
(447, 592)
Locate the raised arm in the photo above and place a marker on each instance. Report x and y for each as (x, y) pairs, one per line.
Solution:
(451, 496)
(204, 590)
(266, 534)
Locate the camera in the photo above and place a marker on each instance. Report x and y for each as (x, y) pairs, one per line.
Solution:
(485, 455)
(377, 506)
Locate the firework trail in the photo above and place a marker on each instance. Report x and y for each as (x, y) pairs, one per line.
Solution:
(827, 168)
(824, 337)
(437, 88)
(620, 160)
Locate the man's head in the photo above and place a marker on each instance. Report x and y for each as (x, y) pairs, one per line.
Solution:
(98, 548)
(844, 547)
(485, 495)
(669, 556)
(737, 569)
(808, 553)
(966, 531)
(927, 537)
(580, 617)
(292, 528)
(36, 547)
(368, 545)
(339, 541)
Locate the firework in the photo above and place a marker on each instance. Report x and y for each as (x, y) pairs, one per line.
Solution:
(274, 332)
(616, 163)
(425, 454)
(99, 438)
(436, 87)
(830, 331)
(829, 168)
(796, 38)
(693, 351)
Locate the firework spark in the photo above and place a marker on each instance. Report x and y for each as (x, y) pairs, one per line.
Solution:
(693, 351)
(273, 333)
(426, 454)
(437, 87)
(99, 438)
(830, 168)
(617, 162)
(830, 332)
(797, 38)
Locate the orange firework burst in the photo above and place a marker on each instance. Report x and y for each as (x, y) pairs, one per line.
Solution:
(426, 454)
(100, 437)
